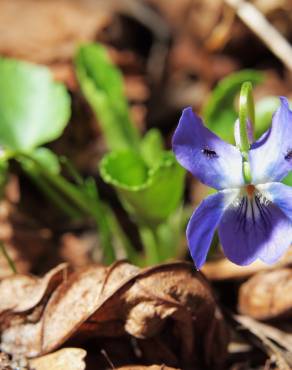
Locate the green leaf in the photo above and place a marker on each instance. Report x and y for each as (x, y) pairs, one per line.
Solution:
(102, 85)
(44, 156)
(219, 112)
(33, 108)
(3, 175)
(288, 179)
(149, 194)
(152, 147)
(124, 169)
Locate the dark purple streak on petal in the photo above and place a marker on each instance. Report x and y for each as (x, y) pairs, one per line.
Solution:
(256, 228)
(279, 194)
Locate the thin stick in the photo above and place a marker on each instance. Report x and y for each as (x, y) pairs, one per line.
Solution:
(256, 21)
(7, 257)
(103, 352)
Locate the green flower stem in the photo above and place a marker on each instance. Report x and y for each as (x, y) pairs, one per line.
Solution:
(246, 113)
(83, 202)
(7, 257)
(71, 169)
(54, 195)
(150, 242)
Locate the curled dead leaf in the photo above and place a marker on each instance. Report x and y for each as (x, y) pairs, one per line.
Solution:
(223, 269)
(267, 295)
(23, 292)
(153, 367)
(158, 306)
(64, 359)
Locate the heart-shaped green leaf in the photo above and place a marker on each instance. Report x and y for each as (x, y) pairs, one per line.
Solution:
(219, 112)
(149, 194)
(33, 108)
(102, 84)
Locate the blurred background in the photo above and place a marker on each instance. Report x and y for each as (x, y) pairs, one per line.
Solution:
(172, 54)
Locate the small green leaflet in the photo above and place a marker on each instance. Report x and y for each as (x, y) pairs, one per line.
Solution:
(33, 108)
(102, 84)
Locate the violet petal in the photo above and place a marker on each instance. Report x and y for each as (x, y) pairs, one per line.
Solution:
(204, 222)
(213, 161)
(271, 156)
(254, 229)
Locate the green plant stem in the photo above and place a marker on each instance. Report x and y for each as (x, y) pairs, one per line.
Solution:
(150, 242)
(100, 216)
(83, 202)
(7, 257)
(246, 113)
(54, 195)
(71, 170)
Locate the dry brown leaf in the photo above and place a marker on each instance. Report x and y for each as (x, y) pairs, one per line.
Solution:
(8, 363)
(48, 31)
(23, 292)
(196, 17)
(223, 269)
(153, 367)
(64, 359)
(122, 300)
(70, 305)
(267, 295)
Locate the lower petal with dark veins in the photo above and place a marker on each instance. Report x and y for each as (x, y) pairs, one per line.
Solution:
(254, 227)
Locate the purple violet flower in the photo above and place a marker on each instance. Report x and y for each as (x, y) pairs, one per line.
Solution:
(254, 220)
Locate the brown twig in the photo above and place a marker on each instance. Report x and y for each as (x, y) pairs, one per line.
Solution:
(257, 22)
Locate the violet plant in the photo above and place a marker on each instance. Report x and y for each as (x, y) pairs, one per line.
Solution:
(251, 201)
(252, 209)
(147, 178)
(34, 110)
